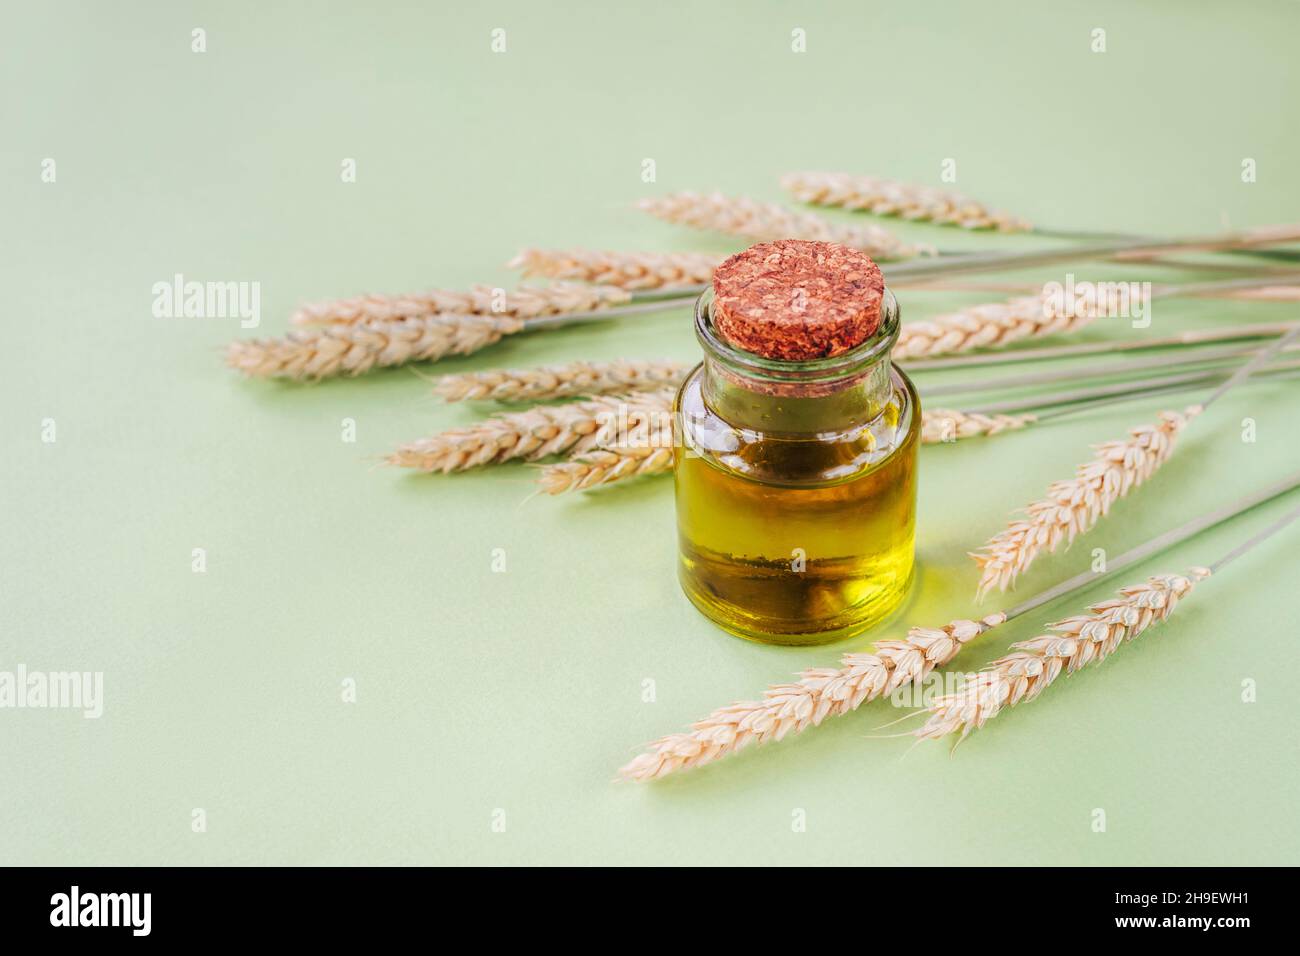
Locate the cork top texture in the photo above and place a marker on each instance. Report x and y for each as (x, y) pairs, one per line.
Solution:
(793, 300)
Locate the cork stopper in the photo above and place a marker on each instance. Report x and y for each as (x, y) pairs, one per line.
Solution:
(793, 300)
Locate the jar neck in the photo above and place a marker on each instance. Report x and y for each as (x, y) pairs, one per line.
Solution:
(818, 396)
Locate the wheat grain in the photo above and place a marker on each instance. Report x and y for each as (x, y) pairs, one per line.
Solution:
(626, 270)
(1270, 293)
(943, 425)
(888, 197)
(354, 349)
(761, 222)
(1075, 642)
(818, 693)
(562, 381)
(526, 302)
(533, 433)
(1073, 506)
(998, 324)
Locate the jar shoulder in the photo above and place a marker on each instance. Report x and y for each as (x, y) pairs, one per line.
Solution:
(828, 457)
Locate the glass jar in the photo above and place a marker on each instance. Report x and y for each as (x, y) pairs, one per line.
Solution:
(796, 486)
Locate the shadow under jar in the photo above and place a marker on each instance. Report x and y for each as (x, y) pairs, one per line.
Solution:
(796, 486)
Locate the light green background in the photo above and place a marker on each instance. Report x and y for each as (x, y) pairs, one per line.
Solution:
(522, 690)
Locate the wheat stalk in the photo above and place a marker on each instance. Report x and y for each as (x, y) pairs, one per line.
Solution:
(819, 692)
(1073, 506)
(1075, 642)
(626, 270)
(354, 349)
(1234, 333)
(761, 222)
(943, 425)
(609, 457)
(1270, 293)
(533, 433)
(822, 692)
(562, 381)
(998, 324)
(609, 463)
(526, 302)
(888, 197)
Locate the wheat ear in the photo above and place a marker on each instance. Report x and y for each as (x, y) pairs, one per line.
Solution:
(526, 302)
(562, 381)
(760, 221)
(819, 692)
(632, 457)
(889, 197)
(354, 349)
(1072, 507)
(1000, 323)
(532, 434)
(626, 270)
(1074, 643)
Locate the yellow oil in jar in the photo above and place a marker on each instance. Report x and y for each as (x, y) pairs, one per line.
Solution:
(796, 538)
